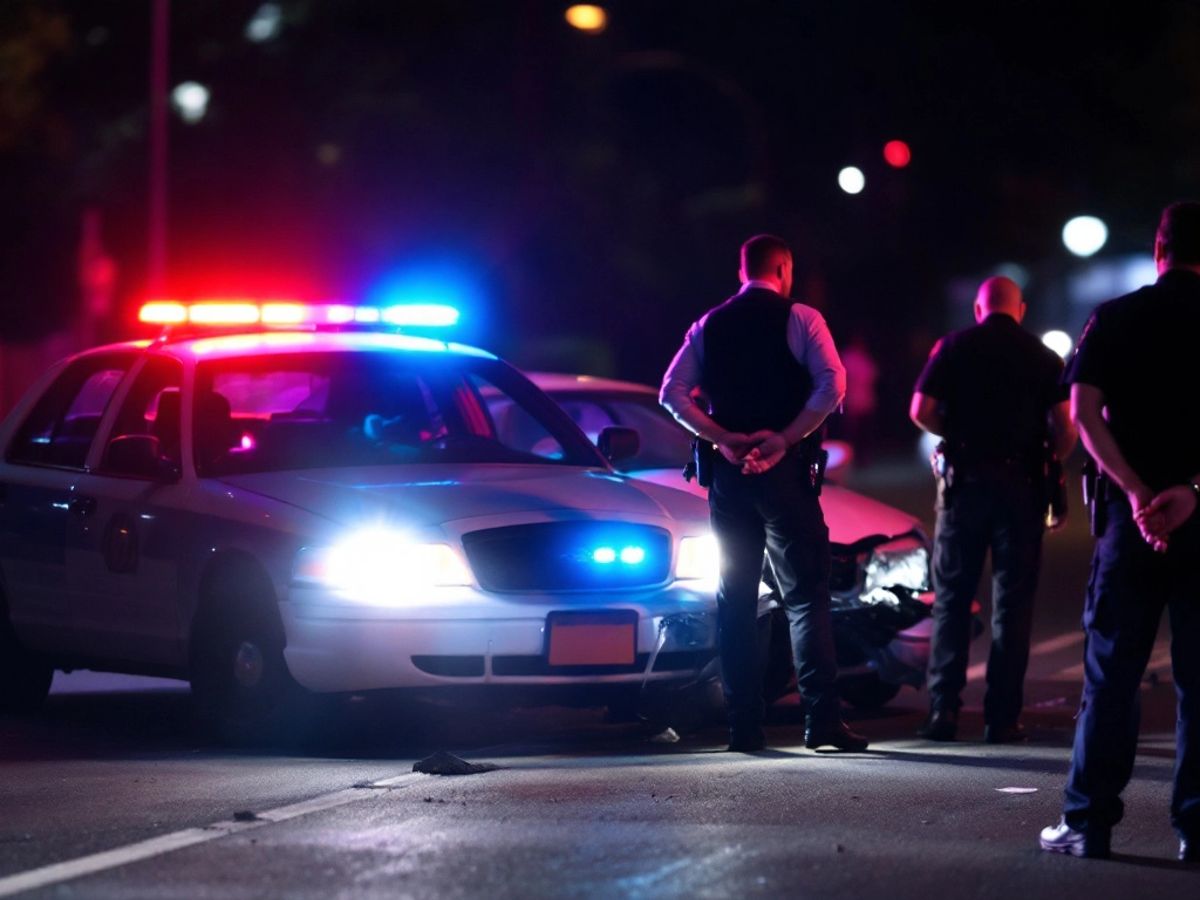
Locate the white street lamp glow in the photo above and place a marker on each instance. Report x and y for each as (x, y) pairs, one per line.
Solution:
(190, 100)
(265, 23)
(1084, 235)
(1058, 341)
(852, 180)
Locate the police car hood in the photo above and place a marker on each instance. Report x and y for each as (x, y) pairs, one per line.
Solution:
(850, 516)
(434, 495)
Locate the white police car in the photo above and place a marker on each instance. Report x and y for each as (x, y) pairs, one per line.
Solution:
(880, 579)
(334, 508)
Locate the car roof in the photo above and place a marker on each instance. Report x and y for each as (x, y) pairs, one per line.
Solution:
(270, 343)
(562, 383)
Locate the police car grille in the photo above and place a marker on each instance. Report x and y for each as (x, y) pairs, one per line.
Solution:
(569, 556)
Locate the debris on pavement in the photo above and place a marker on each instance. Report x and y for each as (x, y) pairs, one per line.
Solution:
(1017, 790)
(667, 736)
(443, 763)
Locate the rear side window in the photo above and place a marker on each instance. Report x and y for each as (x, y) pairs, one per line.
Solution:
(60, 429)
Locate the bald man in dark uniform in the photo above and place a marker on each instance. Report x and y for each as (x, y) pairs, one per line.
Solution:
(992, 393)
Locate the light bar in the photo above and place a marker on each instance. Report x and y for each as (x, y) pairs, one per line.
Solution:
(283, 313)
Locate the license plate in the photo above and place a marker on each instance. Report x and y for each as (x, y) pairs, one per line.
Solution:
(606, 638)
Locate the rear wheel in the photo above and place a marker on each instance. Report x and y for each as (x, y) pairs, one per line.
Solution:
(242, 688)
(868, 691)
(24, 676)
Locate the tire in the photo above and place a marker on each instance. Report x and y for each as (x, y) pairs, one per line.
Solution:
(868, 692)
(241, 686)
(24, 676)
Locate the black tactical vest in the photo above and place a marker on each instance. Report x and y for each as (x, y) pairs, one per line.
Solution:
(748, 372)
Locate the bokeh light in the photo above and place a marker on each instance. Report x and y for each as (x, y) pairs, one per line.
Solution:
(852, 180)
(587, 17)
(1058, 341)
(1084, 235)
(897, 154)
(190, 99)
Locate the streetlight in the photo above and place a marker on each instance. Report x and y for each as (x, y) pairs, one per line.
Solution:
(190, 99)
(852, 180)
(1084, 235)
(587, 17)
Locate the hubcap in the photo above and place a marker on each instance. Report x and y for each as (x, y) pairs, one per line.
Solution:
(248, 664)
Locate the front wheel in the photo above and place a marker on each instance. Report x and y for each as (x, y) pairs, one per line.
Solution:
(24, 676)
(240, 682)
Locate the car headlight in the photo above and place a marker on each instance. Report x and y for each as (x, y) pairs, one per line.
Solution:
(381, 565)
(898, 565)
(699, 559)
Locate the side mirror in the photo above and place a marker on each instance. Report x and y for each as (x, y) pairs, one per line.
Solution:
(617, 443)
(137, 455)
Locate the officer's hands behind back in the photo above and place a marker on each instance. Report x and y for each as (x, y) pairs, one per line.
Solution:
(769, 449)
(755, 453)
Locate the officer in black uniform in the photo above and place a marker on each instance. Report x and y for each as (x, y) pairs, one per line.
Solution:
(992, 393)
(1133, 380)
(770, 373)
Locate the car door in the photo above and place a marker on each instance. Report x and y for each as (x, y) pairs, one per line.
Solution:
(126, 571)
(40, 504)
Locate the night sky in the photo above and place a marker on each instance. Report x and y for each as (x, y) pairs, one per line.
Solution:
(583, 196)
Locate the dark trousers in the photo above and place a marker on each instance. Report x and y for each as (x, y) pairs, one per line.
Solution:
(1000, 511)
(779, 511)
(1129, 587)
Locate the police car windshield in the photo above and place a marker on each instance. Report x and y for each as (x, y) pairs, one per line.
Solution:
(322, 410)
(663, 442)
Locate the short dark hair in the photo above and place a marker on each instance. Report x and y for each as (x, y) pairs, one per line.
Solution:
(762, 253)
(1179, 233)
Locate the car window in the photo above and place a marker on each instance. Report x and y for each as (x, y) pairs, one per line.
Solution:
(60, 428)
(315, 410)
(663, 442)
(152, 407)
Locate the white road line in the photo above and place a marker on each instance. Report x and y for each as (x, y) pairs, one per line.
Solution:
(1051, 645)
(188, 837)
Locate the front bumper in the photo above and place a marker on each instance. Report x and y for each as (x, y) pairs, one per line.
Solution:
(468, 638)
(893, 644)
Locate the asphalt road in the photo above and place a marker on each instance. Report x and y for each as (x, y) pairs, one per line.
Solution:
(109, 793)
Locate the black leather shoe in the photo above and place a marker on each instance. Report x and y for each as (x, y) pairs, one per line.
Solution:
(942, 725)
(746, 742)
(1062, 838)
(1189, 850)
(1005, 734)
(836, 735)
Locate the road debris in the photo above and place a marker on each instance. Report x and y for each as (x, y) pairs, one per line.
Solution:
(1017, 790)
(443, 763)
(667, 736)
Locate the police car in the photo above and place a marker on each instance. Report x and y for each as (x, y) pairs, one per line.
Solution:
(273, 497)
(880, 579)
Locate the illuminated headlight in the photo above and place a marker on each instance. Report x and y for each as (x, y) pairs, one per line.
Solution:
(381, 566)
(898, 566)
(699, 559)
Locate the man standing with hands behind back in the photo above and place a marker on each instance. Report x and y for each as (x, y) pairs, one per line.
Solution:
(992, 393)
(771, 374)
(1133, 385)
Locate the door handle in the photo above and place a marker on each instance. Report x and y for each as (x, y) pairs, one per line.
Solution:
(82, 506)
